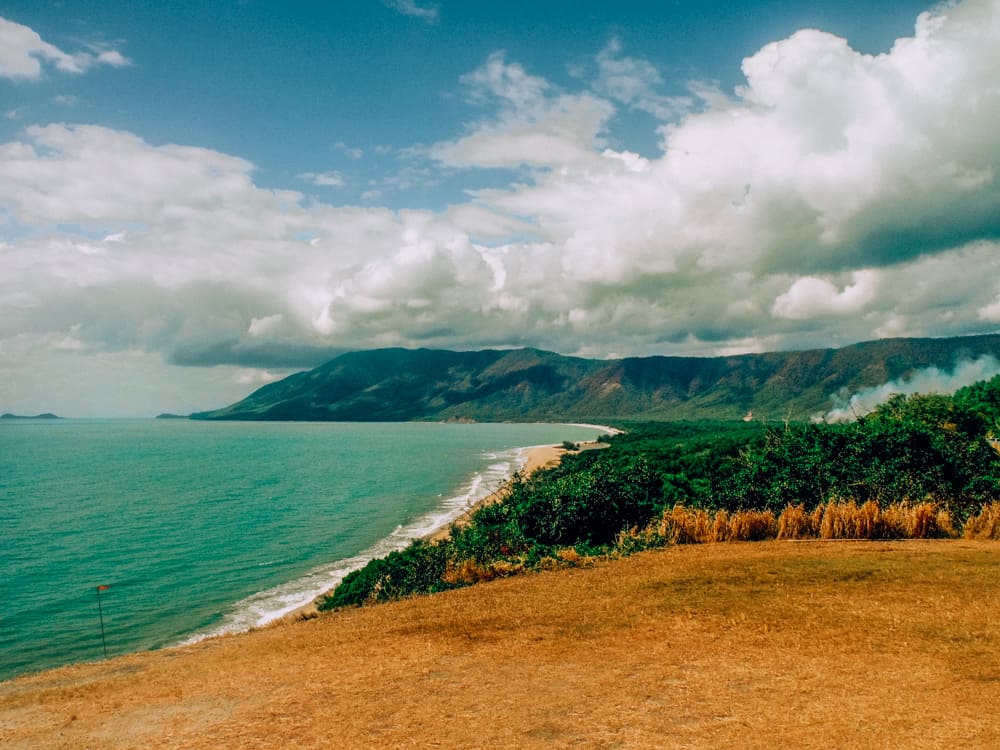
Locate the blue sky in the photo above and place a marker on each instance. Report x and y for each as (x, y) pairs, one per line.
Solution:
(304, 86)
(202, 196)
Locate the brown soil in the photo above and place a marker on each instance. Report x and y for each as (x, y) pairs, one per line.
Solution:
(777, 644)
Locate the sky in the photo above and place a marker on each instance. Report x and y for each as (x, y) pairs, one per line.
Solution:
(198, 198)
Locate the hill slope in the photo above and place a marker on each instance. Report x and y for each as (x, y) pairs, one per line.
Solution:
(781, 644)
(528, 384)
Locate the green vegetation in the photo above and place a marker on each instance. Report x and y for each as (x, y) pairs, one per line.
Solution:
(532, 385)
(918, 466)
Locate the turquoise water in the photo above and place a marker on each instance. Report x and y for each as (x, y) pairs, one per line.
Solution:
(200, 528)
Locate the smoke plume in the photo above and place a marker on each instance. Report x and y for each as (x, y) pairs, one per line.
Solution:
(928, 380)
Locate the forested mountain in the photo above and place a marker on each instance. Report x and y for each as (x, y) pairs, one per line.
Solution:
(528, 384)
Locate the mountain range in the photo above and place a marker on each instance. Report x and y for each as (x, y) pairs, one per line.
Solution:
(529, 384)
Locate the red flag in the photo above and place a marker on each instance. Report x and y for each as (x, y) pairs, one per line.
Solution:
(103, 588)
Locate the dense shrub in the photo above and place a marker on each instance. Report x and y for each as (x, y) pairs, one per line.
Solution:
(895, 454)
(418, 569)
(589, 506)
(492, 533)
(917, 467)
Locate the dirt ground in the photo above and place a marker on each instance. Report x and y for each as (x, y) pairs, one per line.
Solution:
(779, 644)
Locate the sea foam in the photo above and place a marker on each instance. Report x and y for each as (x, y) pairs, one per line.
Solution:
(272, 604)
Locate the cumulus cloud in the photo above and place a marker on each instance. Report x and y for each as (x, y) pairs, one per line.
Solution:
(829, 166)
(834, 197)
(991, 312)
(201, 264)
(810, 296)
(23, 54)
(634, 82)
(534, 126)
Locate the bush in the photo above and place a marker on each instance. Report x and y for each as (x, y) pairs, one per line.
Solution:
(590, 506)
(418, 569)
(919, 450)
(678, 483)
(491, 534)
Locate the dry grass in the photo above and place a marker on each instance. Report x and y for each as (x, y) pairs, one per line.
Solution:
(832, 520)
(814, 645)
(795, 523)
(986, 525)
(469, 572)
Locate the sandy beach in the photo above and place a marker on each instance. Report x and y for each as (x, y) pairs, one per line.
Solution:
(538, 457)
(535, 458)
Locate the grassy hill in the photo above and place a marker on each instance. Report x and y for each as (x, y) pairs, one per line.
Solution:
(778, 644)
(529, 384)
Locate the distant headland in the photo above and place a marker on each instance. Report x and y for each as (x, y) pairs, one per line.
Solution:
(47, 415)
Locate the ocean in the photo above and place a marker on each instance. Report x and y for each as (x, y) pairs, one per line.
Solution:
(202, 528)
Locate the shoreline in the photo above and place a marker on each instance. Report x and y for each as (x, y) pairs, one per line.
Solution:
(536, 458)
(294, 597)
(532, 459)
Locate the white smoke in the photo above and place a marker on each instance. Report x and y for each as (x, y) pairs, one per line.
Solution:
(929, 380)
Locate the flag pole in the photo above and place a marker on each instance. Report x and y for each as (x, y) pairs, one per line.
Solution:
(100, 612)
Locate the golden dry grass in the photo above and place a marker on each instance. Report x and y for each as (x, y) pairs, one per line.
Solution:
(835, 519)
(778, 644)
(985, 525)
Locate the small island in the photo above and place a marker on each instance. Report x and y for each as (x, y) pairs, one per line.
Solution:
(46, 415)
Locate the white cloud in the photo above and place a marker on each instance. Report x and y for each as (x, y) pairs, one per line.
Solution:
(87, 173)
(509, 82)
(209, 257)
(323, 179)
(633, 162)
(266, 325)
(255, 377)
(349, 151)
(112, 57)
(634, 82)
(23, 52)
(563, 133)
(410, 8)
(991, 312)
(533, 127)
(809, 296)
(480, 222)
(826, 161)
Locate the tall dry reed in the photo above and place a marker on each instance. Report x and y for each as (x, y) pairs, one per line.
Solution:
(985, 525)
(753, 526)
(836, 519)
(795, 523)
(683, 525)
